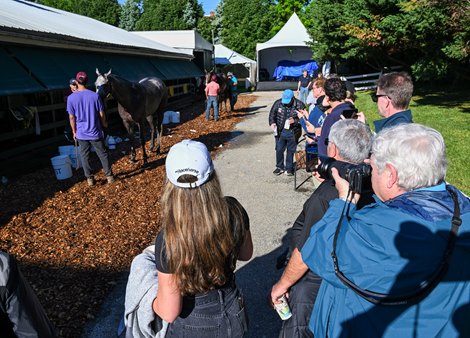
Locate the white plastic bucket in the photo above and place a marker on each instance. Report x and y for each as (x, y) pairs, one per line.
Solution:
(73, 154)
(62, 167)
(167, 117)
(175, 117)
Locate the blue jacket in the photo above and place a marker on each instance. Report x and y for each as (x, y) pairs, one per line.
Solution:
(390, 247)
(397, 118)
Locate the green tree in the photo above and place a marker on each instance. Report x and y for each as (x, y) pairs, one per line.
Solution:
(130, 13)
(426, 36)
(284, 10)
(244, 23)
(169, 15)
(205, 27)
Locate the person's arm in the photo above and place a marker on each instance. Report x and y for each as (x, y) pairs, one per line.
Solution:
(272, 116)
(104, 122)
(298, 86)
(73, 125)
(169, 302)
(246, 249)
(294, 270)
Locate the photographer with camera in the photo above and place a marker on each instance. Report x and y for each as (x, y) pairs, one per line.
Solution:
(335, 95)
(284, 122)
(349, 145)
(398, 267)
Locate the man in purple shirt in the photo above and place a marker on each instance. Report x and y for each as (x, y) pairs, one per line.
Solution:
(87, 119)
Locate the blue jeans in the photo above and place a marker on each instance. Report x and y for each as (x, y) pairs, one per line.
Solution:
(303, 94)
(212, 100)
(101, 151)
(286, 140)
(218, 314)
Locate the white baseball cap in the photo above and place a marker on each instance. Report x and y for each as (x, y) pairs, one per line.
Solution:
(189, 157)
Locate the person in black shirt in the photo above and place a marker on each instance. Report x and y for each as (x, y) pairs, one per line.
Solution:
(303, 86)
(203, 234)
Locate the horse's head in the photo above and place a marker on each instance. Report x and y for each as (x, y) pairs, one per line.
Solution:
(102, 84)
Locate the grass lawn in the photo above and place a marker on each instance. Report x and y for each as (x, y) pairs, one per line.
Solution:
(448, 113)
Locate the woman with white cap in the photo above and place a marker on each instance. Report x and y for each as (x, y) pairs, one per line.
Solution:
(203, 234)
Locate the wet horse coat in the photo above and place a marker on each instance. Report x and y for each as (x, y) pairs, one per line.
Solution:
(137, 102)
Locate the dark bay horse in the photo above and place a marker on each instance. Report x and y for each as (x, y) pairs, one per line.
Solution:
(224, 92)
(137, 102)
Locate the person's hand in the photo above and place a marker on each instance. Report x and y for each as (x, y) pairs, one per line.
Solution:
(273, 126)
(304, 112)
(343, 187)
(316, 175)
(361, 117)
(276, 292)
(291, 120)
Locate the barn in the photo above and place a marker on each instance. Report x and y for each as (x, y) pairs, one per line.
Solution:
(41, 48)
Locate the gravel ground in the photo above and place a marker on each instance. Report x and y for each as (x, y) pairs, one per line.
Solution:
(245, 169)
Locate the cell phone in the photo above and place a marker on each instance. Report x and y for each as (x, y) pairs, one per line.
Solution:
(350, 113)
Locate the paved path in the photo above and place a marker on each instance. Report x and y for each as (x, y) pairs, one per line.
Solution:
(245, 170)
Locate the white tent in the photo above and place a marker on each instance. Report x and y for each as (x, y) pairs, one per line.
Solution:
(290, 43)
(226, 56)
(187, 41)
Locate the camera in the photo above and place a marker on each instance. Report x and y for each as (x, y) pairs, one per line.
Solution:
(358, 175)
(350, 113)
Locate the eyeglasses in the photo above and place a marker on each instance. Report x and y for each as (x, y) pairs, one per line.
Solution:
(375, 97)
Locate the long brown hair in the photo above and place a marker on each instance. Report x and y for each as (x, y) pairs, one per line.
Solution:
(198, 236)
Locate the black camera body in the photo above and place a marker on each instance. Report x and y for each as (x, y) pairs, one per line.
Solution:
(350, 113)
(358, 175)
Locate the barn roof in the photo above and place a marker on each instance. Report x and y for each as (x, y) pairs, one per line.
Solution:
(30, 23)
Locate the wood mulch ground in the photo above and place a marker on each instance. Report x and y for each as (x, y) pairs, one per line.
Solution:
(73, 241)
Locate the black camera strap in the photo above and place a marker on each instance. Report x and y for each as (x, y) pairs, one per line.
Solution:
(424, 288)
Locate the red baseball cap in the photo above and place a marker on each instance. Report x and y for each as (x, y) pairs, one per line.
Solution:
(81, 78)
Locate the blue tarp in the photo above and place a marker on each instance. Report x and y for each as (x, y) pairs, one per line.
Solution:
(287, 68)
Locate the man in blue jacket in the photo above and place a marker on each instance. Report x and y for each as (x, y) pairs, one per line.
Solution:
(412, 246)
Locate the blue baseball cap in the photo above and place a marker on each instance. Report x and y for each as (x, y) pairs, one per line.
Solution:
(287, 96)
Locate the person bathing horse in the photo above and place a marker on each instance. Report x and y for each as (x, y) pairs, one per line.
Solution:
(224, 91)
(137, 102)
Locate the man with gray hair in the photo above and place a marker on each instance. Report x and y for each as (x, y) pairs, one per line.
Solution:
(395, 268)
(393, 96)
(349, 141)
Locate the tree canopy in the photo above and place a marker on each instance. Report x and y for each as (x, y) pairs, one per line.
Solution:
(431, 38)
(169, 15)
(428, 37)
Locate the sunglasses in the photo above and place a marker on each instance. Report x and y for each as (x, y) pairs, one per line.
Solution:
(375, 97)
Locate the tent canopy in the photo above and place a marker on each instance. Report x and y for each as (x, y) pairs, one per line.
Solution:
(293, 33)
(226, 56)
(290, 43)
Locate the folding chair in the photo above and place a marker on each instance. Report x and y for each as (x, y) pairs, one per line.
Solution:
(305, 159)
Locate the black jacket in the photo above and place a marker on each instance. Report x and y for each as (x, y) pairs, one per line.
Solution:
(21, 314)
(280, 113)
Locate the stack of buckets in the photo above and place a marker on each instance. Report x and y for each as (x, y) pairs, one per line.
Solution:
(69, 157)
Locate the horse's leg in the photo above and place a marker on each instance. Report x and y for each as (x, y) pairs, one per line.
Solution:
(151, 123)
(142, 142)
(130, 133)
